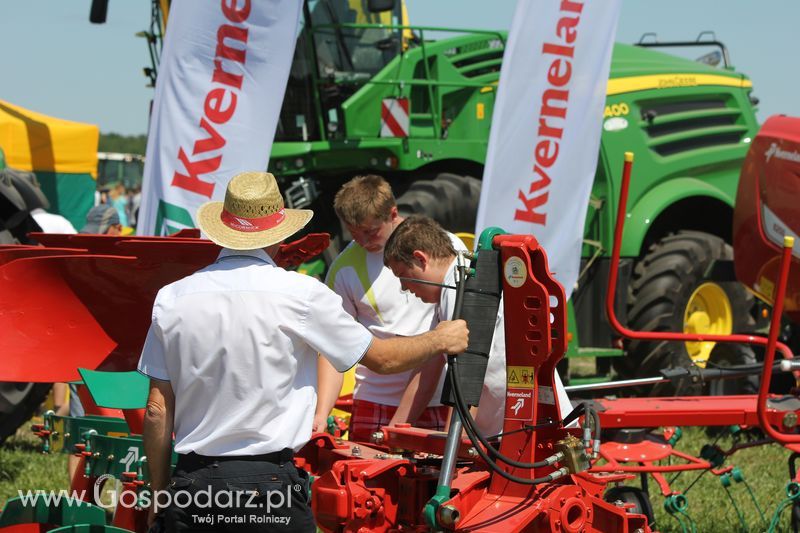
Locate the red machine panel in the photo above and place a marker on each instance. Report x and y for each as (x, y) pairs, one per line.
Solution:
(86, 300)
(767, 208)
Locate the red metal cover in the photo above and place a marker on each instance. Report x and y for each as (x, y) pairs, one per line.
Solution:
(767, 208)
(86, 300)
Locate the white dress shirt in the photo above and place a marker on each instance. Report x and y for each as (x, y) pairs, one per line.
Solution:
(52, 223)
(238, 342)
(372, 294)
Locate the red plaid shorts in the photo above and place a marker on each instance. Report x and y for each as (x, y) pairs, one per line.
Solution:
(368, 417)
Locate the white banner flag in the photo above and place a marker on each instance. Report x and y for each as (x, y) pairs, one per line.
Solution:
(546, 126)
(219, 92)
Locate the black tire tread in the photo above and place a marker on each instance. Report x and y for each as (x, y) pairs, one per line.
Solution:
(662, 282)
(13, 416)
(450, 199)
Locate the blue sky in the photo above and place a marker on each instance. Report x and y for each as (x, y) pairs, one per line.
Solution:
(56, 62)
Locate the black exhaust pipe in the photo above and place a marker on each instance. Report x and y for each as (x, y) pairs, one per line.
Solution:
(98, 11)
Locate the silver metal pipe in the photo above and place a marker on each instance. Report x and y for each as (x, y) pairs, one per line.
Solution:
(616, 384)
(787, 365)
(451, 451)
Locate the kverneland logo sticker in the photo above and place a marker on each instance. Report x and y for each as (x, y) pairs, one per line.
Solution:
(774, 150)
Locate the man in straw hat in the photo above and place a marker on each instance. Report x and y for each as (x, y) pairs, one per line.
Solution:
(232, 352)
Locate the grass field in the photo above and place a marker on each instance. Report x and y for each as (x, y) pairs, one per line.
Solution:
(23, 467)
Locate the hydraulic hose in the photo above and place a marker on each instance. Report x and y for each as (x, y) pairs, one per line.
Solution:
(575, 413)
(469, 426)
(463, 411)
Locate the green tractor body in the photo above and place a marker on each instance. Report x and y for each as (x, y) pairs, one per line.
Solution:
(688, 123)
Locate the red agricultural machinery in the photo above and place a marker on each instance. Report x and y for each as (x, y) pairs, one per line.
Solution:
(93, 295)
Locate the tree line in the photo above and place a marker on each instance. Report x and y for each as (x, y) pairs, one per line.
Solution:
(128, 144)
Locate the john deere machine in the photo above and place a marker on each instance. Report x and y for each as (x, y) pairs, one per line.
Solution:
(358, 72)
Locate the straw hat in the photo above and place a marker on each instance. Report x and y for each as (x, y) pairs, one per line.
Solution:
(252, 216)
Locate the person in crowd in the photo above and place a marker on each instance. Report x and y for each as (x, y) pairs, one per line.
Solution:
(251, 332)
(118, 197)
(102, 219)
(419, 249)
(37, 203)
(134, 205)
(370, 293)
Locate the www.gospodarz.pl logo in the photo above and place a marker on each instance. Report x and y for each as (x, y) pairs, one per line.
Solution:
(162, 499)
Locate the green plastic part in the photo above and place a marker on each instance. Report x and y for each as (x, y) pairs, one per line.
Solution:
(793, 490)
(311, 480)
(738, 475)
(676, 503)
(313, 268)
(487, 236)
(17, 511)
(792, 495)
(116, 390)
(725, 479)
(87, 471)
(68, 431)
(438, 499)
(676, 436)
(676, 506)
(117, 455)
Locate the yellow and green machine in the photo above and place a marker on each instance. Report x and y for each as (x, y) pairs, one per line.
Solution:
(689, 122)
(62, 153)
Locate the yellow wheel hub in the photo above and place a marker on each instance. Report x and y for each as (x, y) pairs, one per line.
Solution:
(708, 312)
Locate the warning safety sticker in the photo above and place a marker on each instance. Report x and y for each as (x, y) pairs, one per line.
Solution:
(519, 377)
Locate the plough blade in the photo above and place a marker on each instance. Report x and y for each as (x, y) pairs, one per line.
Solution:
(45, 330)
(10, 254)
(86, 300)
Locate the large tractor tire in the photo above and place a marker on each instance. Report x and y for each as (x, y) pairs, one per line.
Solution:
(449, 199)
(670, 291)
(19, 194)
(18, 403)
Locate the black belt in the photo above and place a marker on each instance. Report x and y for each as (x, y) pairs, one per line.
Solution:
(191, 460)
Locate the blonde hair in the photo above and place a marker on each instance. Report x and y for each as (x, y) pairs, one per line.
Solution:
(421, 233)
(364, 197)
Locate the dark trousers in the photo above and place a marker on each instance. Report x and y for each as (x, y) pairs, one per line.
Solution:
(216, 494)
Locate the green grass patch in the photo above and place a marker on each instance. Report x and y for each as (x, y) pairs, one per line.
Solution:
(765, 471)
(24, 467)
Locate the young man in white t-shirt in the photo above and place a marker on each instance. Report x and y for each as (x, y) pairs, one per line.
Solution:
(420, 249)
(374, 297)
